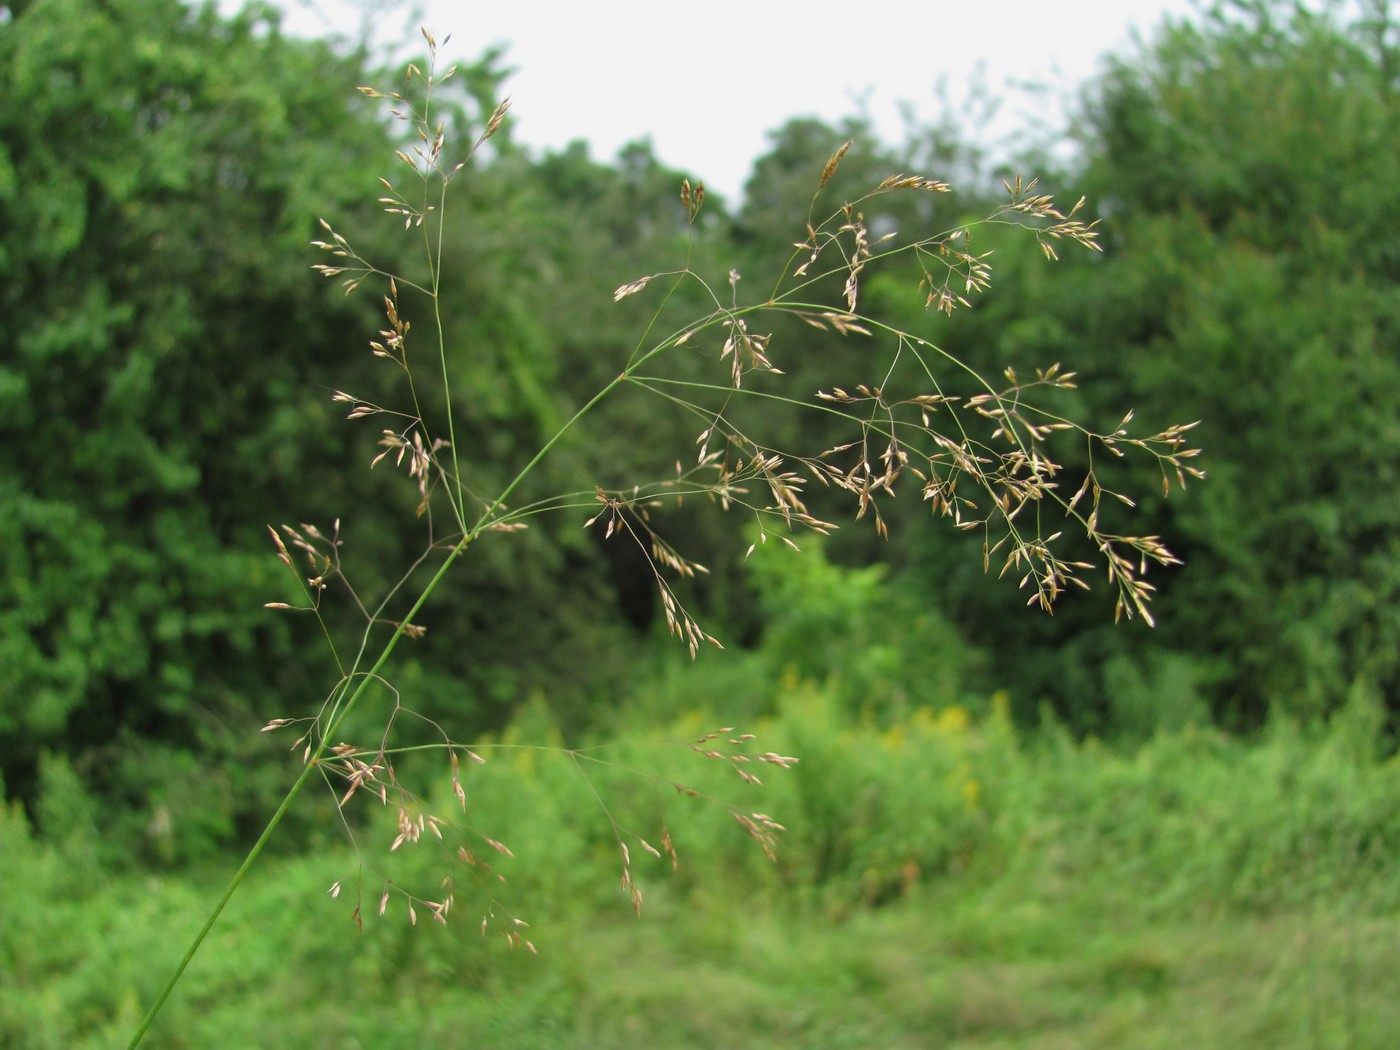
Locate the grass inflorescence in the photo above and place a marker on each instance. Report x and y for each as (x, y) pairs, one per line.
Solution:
(982, 452)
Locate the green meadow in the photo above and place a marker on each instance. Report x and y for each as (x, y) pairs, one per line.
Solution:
(945, 881)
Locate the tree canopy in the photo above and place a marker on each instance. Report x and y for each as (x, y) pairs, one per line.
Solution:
(1246, 168)
(166, 389)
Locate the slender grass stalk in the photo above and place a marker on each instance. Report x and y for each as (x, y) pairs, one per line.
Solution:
(343, 711)
(1008, 470)
(309, 766)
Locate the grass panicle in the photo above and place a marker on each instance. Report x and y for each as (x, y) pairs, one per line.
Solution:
(982, 452)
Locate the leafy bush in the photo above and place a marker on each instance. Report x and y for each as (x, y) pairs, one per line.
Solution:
(1084, 876)
(1245, 162)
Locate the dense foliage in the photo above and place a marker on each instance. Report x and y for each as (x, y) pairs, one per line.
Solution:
(1246, 166)
(1254, 178)
(956, 882)
(160, 171)
(165, 395)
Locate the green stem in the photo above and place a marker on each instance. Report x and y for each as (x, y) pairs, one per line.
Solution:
(309, 767)
(548, 446)
(370, 676)
(233, 885)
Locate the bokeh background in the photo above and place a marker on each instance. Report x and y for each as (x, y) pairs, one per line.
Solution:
(1006, 829)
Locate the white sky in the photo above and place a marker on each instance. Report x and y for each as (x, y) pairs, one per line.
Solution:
(706, 79)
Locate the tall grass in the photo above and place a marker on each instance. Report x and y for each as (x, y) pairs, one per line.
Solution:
(957, 882)
(980, 451)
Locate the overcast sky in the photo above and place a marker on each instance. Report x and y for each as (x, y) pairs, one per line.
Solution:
(707, 79)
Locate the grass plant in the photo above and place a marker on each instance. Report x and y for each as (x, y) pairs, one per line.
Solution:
(982, 452)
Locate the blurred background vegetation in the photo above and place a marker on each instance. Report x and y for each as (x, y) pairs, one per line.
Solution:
(1007, 829)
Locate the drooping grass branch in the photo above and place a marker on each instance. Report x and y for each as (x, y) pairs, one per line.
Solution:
(978, 450)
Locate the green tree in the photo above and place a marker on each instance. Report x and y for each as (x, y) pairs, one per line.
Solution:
(162, 390)
(169, 395)
(1246, 164)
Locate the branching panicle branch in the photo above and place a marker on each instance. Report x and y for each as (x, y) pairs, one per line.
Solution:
(985, 454)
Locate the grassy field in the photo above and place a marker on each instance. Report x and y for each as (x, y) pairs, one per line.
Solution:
(946, 881)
